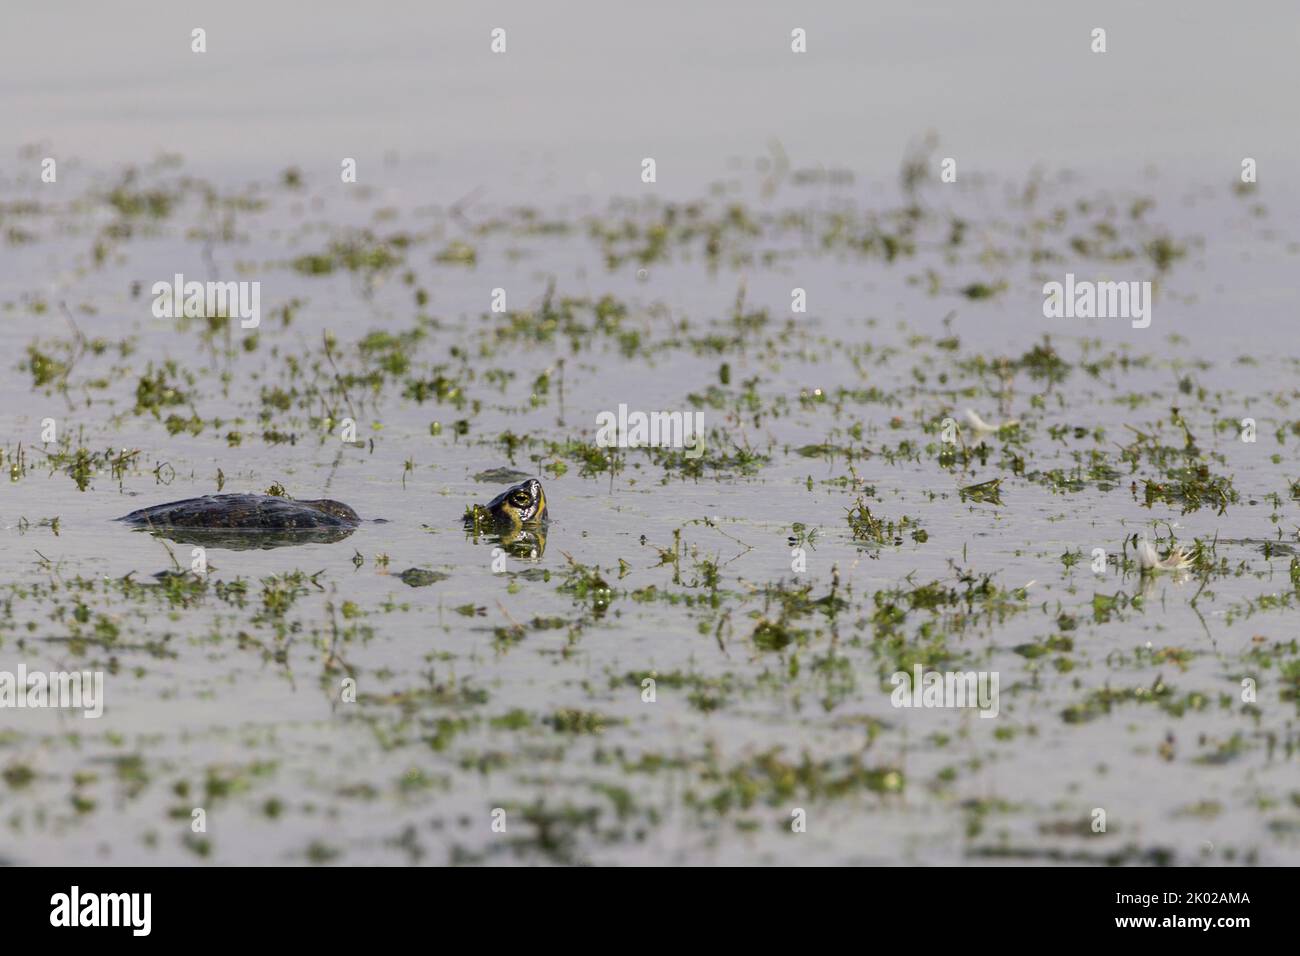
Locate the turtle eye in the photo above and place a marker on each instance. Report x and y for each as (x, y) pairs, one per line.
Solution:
(520, 499)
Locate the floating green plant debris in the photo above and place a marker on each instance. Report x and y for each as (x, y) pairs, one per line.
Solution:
(986, 491)
(420, 577)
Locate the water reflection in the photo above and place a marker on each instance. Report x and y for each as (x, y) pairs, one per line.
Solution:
(250, 539)
(525, 544)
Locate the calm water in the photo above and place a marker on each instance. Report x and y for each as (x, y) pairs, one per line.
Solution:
(522, 690)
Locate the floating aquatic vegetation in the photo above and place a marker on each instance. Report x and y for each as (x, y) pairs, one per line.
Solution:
(421, 577)
(989, 492)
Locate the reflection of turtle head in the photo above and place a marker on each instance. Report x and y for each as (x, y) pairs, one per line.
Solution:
(524, 543)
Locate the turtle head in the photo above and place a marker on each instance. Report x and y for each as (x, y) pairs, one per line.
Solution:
(524, 504)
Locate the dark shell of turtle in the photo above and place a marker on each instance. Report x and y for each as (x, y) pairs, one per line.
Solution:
(245, 513)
